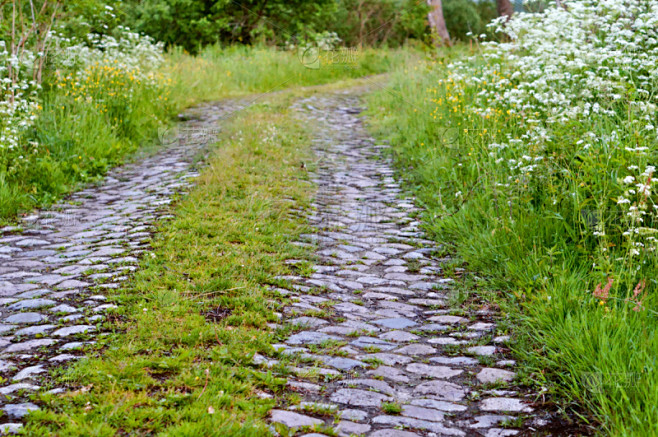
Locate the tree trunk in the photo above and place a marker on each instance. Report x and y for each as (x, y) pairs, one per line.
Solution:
(438, 23)
(505, 8)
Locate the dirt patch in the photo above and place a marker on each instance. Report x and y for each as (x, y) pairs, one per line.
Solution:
(218, 314)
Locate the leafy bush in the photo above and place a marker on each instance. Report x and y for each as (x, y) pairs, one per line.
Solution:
(193, 25)
(374, 22)
(583, 97)
(79, 18)
(462, 18)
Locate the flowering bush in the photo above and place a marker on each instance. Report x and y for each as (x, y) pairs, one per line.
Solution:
(565, 113)
(18, 98)
(130, 50)
(98, 100)
(110, 73)
(536, 159)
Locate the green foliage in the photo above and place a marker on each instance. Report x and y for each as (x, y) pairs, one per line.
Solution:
(73, 17)
(375, 22)
(192, 24)
(78, 18)
(90, 112)
(461, 18)
(78, 142)
(464, 16)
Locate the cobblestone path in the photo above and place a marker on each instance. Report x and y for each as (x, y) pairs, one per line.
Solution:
(56, 265)
(374, 343)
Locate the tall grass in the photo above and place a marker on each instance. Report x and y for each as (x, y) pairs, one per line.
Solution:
(79, 141)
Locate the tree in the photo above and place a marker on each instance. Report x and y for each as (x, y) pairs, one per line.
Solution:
(505, 8)
(378, 22)
(194, 24)
(438, 23)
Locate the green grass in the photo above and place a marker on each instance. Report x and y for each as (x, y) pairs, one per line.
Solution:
(79, 140)
(391, 408)
(597, 358)
(166, 369)
(235, 71)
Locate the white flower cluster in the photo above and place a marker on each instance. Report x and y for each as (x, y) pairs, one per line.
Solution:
(18, 96)
(130, 52)
(585, 75)
(579, 60)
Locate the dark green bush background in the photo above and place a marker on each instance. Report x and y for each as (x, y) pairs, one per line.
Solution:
(193, 24)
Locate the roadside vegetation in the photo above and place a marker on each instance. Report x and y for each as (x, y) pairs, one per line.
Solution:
(535, 159)
(94, 105)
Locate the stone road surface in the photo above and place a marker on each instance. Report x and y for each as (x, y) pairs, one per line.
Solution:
(57, 264)
(374, 343)
(375, 349)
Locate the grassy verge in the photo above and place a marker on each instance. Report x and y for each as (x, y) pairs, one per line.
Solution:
(222, 72)
(94, 121)
(531, 239)
(169, 368)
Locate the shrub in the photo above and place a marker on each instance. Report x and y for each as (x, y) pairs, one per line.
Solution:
(100, 99)
(193, 25)
(578, 84)
(374, 22)
(462, 18)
